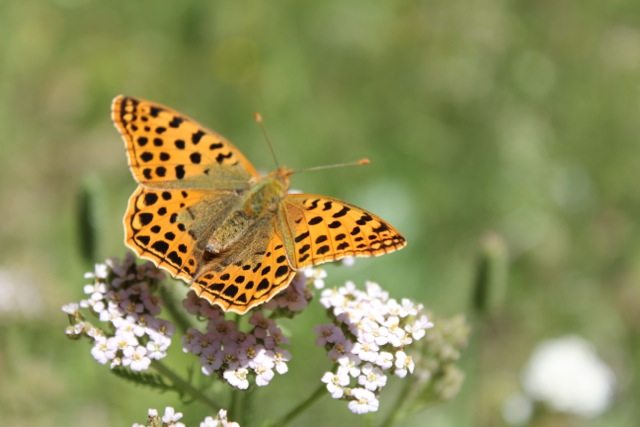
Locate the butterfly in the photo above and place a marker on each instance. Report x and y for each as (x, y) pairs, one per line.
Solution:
(203, 213)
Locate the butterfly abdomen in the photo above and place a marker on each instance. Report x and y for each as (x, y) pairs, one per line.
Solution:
(231, 229)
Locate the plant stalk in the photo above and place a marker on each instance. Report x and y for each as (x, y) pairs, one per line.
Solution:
(398, 410)
(185, 386)
(317, 394)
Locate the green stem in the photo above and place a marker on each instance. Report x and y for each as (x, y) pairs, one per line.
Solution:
(234, 403)
(317, 394)
(185, 386)
(247, 417)
(398, 407)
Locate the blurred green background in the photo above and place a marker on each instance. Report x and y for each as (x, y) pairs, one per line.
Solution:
(517, 118)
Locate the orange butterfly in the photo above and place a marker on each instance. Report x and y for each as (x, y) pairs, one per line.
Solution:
(202, 212)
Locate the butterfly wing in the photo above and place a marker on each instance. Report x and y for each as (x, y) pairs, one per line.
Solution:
(169, 150)
(252, 272)
(325, 229)
(190, 179)
(162, 225)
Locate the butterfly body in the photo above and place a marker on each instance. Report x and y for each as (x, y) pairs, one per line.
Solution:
(202, 212)
(261, 199)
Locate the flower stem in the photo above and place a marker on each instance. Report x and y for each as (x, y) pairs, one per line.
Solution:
(317, 394)
(398, 411)
(184, 385)
(246, 416)
(234, 403)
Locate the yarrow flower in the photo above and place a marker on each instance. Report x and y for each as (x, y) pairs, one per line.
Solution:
(367, 341)
(171, 418)
(370, 337)
(252, 356)
(121, 295)
(219, 421)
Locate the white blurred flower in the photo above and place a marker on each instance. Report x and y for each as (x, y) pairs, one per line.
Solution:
(263, 365)
(367, 351)
(372, 378)
(20, 296)
(136, 358)
(103, 350)
(170, 419)
(280, 359)
(350, 362)
(219, 421)
(317, 275)
(404, 364)
(171, 416)
(517, 410)
(363, 401)
(237, 378)
(336, 383)
(348, 261)
(567, 374)
(157, 349)
(384, 360)
(71, 308)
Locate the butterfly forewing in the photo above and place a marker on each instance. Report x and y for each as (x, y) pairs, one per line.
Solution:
(251, 274)
(325, 229)
(168, 150)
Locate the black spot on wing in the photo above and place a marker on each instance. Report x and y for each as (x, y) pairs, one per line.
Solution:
(281, 271)
(315, 220)
(176, 122)
(301, 237)
(341, 212)
(222, 157)
(196, 137)
(231, 291)
(145, 218)
(160, 246)
(150, 198)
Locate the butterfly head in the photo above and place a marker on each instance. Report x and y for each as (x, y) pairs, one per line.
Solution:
(281, 175)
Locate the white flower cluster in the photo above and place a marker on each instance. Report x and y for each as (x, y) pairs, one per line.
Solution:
(170, 419)
(121, 295)
(240, 357)
(367, 342)
(219, 421)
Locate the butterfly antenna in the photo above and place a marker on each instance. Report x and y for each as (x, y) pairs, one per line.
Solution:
(258, 118)
(337, 165)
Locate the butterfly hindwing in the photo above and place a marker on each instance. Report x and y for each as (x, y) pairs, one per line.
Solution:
(169, 150)
(252, 273)
(325, 229)
(162, 225)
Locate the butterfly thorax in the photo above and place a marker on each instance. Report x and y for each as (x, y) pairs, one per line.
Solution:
(262, 198)
(267, 192)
